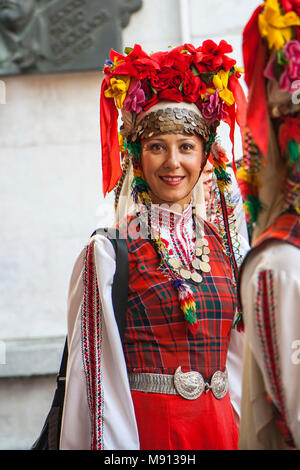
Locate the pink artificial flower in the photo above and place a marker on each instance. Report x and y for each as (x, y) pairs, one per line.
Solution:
(213, 109)
(135, 98)
(292, 70)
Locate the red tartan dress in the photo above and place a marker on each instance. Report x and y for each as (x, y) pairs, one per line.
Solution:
(157, 340)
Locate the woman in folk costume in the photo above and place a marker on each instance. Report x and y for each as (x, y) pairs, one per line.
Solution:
(166, 386)
(270, 182)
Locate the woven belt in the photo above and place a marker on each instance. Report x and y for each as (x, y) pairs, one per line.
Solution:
(189, 385)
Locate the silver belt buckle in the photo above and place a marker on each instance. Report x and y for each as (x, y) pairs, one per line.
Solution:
(190, 385)
(219, 384)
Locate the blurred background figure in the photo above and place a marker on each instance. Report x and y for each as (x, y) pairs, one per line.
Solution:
(270, 182)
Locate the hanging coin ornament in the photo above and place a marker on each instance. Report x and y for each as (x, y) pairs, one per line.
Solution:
(200, 262)
(185, 273)
(198, 251)
(196, 263)
(196, 277)
(174, 262)
(205, 267)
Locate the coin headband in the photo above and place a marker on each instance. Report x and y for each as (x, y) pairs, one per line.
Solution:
(171, 121)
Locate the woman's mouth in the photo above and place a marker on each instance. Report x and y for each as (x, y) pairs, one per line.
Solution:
(172, 180)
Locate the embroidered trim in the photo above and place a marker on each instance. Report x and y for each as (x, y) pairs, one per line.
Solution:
(267, 333)
(92, 336)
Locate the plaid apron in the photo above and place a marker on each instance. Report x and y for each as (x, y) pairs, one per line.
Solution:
(156, 336)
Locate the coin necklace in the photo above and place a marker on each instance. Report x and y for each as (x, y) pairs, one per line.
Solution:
(200, 262)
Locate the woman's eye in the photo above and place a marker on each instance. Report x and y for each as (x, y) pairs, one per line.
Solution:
(155, 147)
(187, 147)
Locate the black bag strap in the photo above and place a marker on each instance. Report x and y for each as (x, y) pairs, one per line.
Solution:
(121, 277)
(63, 365)
(119, 291)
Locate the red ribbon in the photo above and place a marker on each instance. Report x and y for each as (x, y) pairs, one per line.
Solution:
(111, 166)
(254, 61)
(237, 112)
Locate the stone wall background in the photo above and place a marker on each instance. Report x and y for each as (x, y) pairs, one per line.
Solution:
(51, 200)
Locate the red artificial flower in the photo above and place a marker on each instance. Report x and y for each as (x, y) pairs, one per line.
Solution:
(175, 59)
(171, 94)
(210, 57)
(192, 87)
(291, 5)
(191, 48)
(136, 64)
(161, 80)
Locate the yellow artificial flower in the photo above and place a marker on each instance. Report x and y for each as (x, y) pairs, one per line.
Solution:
(239, 69)
(220, 81)
(210, 91)
(277, 28)
(118, 89)
(121, 143)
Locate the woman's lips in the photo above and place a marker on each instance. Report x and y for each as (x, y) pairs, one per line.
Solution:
(172, 180)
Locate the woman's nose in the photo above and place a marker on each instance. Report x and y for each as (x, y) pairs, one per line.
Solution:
(172, 159)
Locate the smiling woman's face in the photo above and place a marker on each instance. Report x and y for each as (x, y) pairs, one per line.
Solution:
(171, 165)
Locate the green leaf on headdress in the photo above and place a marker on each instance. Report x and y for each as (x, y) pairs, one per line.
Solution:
(207, 77)
(293, 151)
(180, 86)
(127, 50)
(281, 59)
(195, 70)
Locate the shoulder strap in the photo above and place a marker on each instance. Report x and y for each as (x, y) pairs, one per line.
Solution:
(121, 278)
(63, 365)
(119, 291)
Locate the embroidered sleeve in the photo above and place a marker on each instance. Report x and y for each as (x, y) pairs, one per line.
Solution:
(91, 331)
(276, 321)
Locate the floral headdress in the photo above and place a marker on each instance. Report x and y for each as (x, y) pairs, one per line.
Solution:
(271, 47)
(135, 82)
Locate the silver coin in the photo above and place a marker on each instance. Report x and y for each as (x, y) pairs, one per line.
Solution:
(185, 273)
(199, 242)
(198, 251)
(196, 277)
(205, 250)
(174, 262)
(196, 263)
(205, 258)
(205, 267)
(205, 242)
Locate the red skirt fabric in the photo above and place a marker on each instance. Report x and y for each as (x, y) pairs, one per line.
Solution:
(170, 422)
